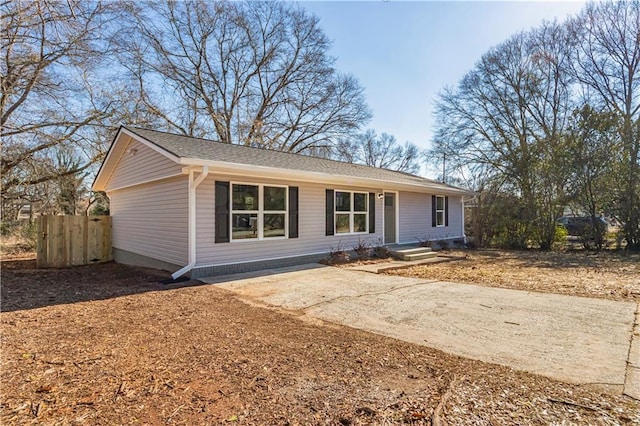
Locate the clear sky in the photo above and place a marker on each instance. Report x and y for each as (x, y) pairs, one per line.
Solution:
(404, 53)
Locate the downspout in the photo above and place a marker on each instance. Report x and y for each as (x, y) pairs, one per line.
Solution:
(464, 234)
(193, 185)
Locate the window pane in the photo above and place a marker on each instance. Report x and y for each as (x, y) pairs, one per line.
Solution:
(274, 198)
(343, 201)
(244, 226)
(359, 202)
(342, 224)
(245, 197)
(440, 218)
(273, 225)
(359, 223)
(439, 203)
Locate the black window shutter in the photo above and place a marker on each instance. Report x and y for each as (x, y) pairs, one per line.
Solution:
(329, 213)
(433, 211)
(446, 211)
(293, 212)
(222, 212)
(372, 213)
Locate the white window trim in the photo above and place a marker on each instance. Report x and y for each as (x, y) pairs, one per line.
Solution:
(443, 211)
(260, 213)
(351, 213)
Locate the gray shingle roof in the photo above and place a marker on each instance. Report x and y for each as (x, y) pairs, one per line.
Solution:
(204, 149)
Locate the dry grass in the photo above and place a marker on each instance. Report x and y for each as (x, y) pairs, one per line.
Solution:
(607, 275)
(17, 246)
(109, 344)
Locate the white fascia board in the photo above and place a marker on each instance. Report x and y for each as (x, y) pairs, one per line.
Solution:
(116, 150)
(151, 145)
(250, 170)
(106, 168)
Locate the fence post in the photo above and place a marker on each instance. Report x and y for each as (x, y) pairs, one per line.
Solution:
(105, 246)
(85, 240)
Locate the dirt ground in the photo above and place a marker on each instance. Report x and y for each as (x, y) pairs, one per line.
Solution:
(606, 275)
(110, 344)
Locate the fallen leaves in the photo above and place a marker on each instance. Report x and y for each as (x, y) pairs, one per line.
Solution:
(606, 275)
(117, 347)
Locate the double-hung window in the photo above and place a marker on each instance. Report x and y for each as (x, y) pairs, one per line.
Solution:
(440, 210)
(351, 212)
(258, 211)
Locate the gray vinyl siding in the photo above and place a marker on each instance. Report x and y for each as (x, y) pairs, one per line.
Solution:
(311, 238)
(152, 219)
(143, 166)
(415, 218)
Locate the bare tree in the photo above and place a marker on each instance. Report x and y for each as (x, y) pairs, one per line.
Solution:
(607, 63)
(381, 151)
(253, 73)
(50, 100)
(509, 113)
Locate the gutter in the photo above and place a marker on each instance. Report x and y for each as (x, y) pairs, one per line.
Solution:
(193, 184)
(239, 169)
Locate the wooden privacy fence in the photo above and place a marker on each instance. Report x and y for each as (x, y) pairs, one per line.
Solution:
(73, 240)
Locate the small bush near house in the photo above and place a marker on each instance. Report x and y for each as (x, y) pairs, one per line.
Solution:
(380, 251)
(337, 255)
(362, 249)
(434, 244)
(424, 242)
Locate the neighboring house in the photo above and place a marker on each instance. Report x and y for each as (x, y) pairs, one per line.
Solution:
(25, 212)
(204, 207)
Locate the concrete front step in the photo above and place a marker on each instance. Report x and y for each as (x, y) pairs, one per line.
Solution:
(411, 250)
(413, 253)
(420, 256)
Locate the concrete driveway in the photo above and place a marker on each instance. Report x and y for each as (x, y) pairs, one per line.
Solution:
(573, 339)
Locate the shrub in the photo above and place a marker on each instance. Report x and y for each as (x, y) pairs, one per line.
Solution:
(437, 244)
(511, 235)
(424, 242)
(362, 249)
(380, 251)
(560, 236)
(337, 255)
(593, 233)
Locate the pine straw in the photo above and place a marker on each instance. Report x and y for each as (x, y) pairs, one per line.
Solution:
(108, 344)
(606, 275)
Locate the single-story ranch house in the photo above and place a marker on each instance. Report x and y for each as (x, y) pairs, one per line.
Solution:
(202, 207)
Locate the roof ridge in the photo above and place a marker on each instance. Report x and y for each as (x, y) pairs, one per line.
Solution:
(133, 128)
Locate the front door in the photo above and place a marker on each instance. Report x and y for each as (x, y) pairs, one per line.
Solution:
(390, 218)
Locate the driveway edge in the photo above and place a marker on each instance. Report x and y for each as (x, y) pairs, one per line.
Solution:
(632, 375)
